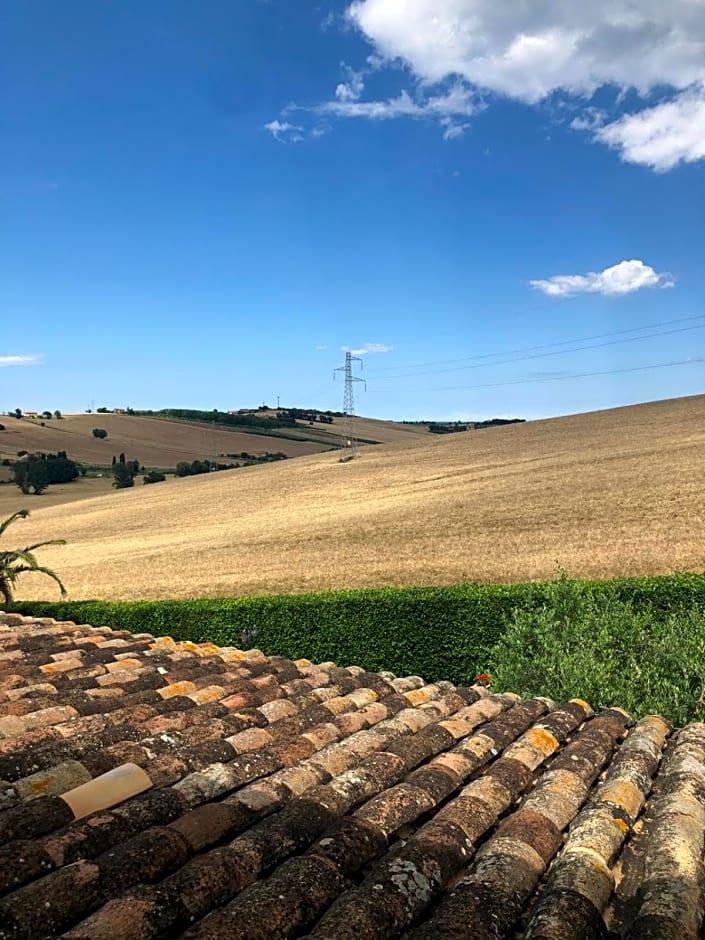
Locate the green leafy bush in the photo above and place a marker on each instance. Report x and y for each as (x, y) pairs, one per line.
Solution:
(607, 649)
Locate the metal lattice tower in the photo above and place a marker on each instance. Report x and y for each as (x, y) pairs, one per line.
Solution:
(349, 448)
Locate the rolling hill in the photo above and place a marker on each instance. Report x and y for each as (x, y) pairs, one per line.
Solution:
(607, 493)
(160, 442)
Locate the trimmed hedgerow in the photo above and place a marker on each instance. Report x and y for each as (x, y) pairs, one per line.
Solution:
(439, 633)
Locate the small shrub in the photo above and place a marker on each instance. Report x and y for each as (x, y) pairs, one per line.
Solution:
(100, 433)
(605, 649)
(154, 476)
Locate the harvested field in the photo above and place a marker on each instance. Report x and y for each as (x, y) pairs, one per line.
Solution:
(155, 442)
(12, 499)
(617, 492)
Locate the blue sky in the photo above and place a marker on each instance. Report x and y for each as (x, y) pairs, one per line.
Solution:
(204, 204)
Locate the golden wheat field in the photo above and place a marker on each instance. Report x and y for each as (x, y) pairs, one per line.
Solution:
(608, 493)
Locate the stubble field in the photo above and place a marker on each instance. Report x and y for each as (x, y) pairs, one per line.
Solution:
(610, 493)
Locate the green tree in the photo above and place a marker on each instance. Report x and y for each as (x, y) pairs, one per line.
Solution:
(124, 476)
(58, 415)
(31, 474)
(17, 562)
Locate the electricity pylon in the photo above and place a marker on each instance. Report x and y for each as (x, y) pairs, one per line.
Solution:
(349, 448)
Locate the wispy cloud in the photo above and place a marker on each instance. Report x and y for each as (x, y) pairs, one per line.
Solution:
(622, 278)
(322, 346)
(352, 89)
(35, 360)
(450, 108)
(368, 348)
(285, 132)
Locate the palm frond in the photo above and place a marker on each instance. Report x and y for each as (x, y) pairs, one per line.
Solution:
(31, 548)
(20, 514)
(42, 570)
(21, 560)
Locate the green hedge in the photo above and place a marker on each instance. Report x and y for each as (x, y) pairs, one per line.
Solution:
(439, 633)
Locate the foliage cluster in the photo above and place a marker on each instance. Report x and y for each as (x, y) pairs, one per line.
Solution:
(35, 472)
(154, 476)
(608, 649)
(220, 417)
(124, 472)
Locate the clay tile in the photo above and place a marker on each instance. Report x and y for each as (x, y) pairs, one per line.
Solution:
(52, 782)
(290, 752)
(33, 819)
(278, 709)
(292, 899)
(395, 807)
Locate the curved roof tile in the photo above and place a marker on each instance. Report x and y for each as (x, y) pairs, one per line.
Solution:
(155, 789)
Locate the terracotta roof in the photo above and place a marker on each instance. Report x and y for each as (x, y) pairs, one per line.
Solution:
(150, 788)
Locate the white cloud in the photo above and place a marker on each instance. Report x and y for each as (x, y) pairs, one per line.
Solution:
(368, 348)
(321, 347)
(284, 131)
(529, 51)
(622, 278)
(353, 88)
(6, 361)
(448, 107)
(662, 136)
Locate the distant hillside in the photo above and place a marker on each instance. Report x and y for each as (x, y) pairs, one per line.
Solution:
(159, 441)
(615, 492)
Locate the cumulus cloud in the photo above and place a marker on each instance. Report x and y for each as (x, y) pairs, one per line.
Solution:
(368, 348)
(529, 51)
(285, 132)
(35, 360)
(661, 137)
(622, 278)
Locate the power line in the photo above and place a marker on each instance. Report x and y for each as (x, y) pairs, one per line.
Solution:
(512, 352)
(552, 378)
(543, 355)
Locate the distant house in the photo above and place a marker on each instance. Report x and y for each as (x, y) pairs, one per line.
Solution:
(30, 414)
(118, 411)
